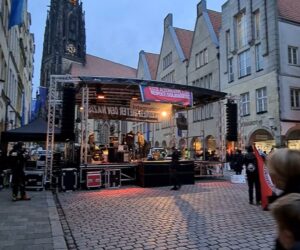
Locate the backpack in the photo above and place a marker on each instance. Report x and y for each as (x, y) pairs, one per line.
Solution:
(251, 167)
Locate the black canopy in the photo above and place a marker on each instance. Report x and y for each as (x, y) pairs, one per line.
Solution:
(34, 131)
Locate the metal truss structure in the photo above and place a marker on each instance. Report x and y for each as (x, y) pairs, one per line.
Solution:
(84, 125)
(57, 82)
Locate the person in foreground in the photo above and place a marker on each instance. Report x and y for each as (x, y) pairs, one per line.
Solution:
(174, 168)
(284, 169)
(17, 161)
(286, 211)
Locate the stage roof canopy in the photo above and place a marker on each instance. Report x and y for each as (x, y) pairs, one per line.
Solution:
(121, 91)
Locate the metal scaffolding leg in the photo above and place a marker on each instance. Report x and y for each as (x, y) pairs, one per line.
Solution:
(52, 96)
(84, 125)
(222, 130)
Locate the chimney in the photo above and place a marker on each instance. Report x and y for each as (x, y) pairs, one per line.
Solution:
(201, 7)
(168, 21)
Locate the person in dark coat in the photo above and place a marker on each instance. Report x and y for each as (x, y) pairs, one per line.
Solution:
(238, 162)
(250, 162)
(17, 161)
(286, 211)
(174, 168)
(284, 169)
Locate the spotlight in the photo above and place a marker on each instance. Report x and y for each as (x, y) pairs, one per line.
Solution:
(100, 94)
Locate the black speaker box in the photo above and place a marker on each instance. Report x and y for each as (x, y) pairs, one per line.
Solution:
(68, 113)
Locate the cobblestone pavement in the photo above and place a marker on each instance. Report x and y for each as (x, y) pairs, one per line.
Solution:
(207, 215)
(32, 225)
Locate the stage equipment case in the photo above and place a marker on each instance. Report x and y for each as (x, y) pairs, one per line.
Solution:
(34, 179)
(68, 179)
(112, 178)
(93, 179)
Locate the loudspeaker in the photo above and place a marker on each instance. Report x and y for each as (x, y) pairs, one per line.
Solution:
(231, 124)
(68, 113)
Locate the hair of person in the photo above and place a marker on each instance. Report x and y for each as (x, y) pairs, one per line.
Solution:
(285, 164)
(286, 211)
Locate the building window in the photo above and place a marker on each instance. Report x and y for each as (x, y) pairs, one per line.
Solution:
(167, 60)
(258, 57)
(170, 77)
(203, 82)
(228, 42)
(241, 30)
(256, 26)
(295, 98)
(245, 104)
(244, 63)
(201, 58)
(261, 100)
(293, 55)
(198, 64)
(203, 113)
(230, 70)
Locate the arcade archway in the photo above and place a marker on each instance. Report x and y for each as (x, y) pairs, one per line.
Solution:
(262, 139)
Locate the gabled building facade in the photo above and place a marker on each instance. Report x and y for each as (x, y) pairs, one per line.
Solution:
(172, 67)
(16, 69)
(147, 67)
(203, 71)
(259, 59)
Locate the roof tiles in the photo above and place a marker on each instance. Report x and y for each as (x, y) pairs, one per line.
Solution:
(216, 20)
(185, 38)
(96, 66)
(289, 10)
(152, 60)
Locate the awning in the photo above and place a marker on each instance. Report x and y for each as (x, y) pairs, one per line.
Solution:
(34, 131)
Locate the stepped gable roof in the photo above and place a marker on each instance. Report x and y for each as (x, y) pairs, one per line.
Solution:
(96, 66)
(185, 38)
(216, 20)
(152, 60)
(289, 10)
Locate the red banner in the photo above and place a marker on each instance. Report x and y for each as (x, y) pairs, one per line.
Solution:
(266, 184)
(166, 95)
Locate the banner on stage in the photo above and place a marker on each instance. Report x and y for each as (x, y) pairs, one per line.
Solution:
(166, 95)
(136, 112)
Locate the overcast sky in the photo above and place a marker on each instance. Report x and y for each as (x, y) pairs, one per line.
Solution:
(118, 29)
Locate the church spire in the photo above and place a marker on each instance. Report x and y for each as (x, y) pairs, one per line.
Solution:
(64, 38)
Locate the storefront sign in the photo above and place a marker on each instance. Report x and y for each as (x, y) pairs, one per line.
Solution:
(121, 113)
(166, 95)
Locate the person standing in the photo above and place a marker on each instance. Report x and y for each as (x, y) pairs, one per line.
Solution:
(250, 162)
(18, 160)
(174, 169)
(239, 158)
(141, 143)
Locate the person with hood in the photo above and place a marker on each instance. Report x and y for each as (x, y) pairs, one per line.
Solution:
(251, 165)
(18, 160)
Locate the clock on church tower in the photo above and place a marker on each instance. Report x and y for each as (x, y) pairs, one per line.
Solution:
(71, 49)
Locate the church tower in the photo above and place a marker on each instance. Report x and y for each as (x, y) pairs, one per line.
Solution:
(64, 39)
